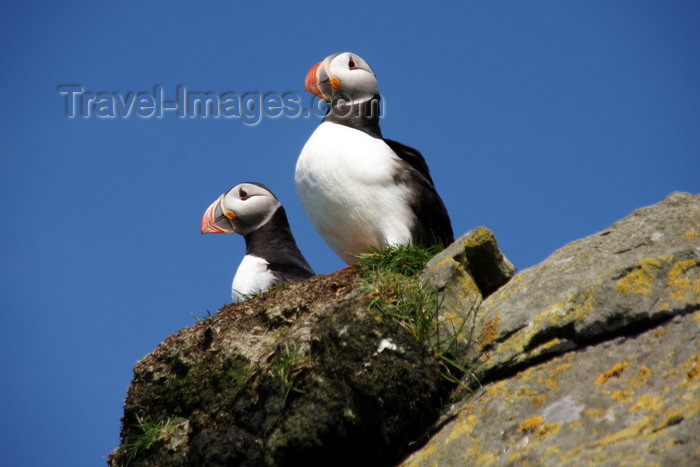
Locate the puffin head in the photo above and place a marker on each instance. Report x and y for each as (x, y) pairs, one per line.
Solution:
(344, 76)
(242, 209)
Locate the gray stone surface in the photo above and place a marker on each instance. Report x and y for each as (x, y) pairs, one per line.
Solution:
(639, 271)
(591, 357)
(628, 401)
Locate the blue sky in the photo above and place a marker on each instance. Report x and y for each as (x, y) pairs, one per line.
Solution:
(544, 121)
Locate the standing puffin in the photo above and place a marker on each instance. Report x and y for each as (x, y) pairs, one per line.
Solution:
(271, 255)
(359, 189)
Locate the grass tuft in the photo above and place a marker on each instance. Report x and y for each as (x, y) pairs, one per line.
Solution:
(405, 260)
(146, 434)
(248, 296)
(287, 366)
(391, 283)
(203, 318)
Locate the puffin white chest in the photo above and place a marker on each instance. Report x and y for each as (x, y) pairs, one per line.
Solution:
(346, 182)
(251, 276)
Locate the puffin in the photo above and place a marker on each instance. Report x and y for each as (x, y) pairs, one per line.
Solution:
(358, 188)
(271, 255)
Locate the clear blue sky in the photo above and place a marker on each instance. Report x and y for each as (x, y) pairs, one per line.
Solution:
(544, 121)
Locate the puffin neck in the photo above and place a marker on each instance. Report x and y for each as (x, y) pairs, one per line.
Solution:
(363, 116)
(270, 237)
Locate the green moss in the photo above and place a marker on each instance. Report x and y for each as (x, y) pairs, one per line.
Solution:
(204, 383)
(233, 377)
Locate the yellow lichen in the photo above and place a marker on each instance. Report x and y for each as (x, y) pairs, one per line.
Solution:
(616, 370)
(640, 378)
(575, 423)
(479, 236)
(489, 331)
(595, 413)
(600, 444)
(476, 452)
(658, 332)
(551, 451)
(548, 430)
(550, 343)
(684, 281)
(443, 262)
(622, 396)
(552, 379)
(538, 400)
(692, 367)
(462, 428)
(586, 307)
(645, 402)
(486, 458)
(525, 392)
(640, 279)
(532, 424)
(690, 234)
(557, 312)
(514, 284)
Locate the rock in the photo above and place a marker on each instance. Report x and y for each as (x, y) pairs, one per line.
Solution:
(629, 400)
(305, 374)
(640, 271)
(591, 356)
(465, 273)
(476, 255)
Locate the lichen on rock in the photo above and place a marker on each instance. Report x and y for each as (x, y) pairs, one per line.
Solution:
(591, 356)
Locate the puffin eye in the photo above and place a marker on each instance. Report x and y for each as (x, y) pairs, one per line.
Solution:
(351, 64)
(242, 193)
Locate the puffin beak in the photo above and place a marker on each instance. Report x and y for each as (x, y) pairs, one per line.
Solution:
(318, 81)
(217, 219)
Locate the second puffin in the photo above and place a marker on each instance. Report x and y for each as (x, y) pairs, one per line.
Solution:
(271, 254)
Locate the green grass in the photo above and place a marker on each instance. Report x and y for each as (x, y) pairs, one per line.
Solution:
(405, 260)
(390, 280)
(391, 283)
(145, 434)
(287, 366)
(203, 318)
(248, 296)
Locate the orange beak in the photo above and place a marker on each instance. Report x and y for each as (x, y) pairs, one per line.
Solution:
(318, 81)
(215, 219)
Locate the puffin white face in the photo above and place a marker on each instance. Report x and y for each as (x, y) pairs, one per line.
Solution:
(242, 209)
(342, 76)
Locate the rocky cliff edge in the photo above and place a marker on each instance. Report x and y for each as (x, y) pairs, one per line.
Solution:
(591, 356)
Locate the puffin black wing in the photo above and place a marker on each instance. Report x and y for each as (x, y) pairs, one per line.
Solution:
(412, 156)
(432, 225)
